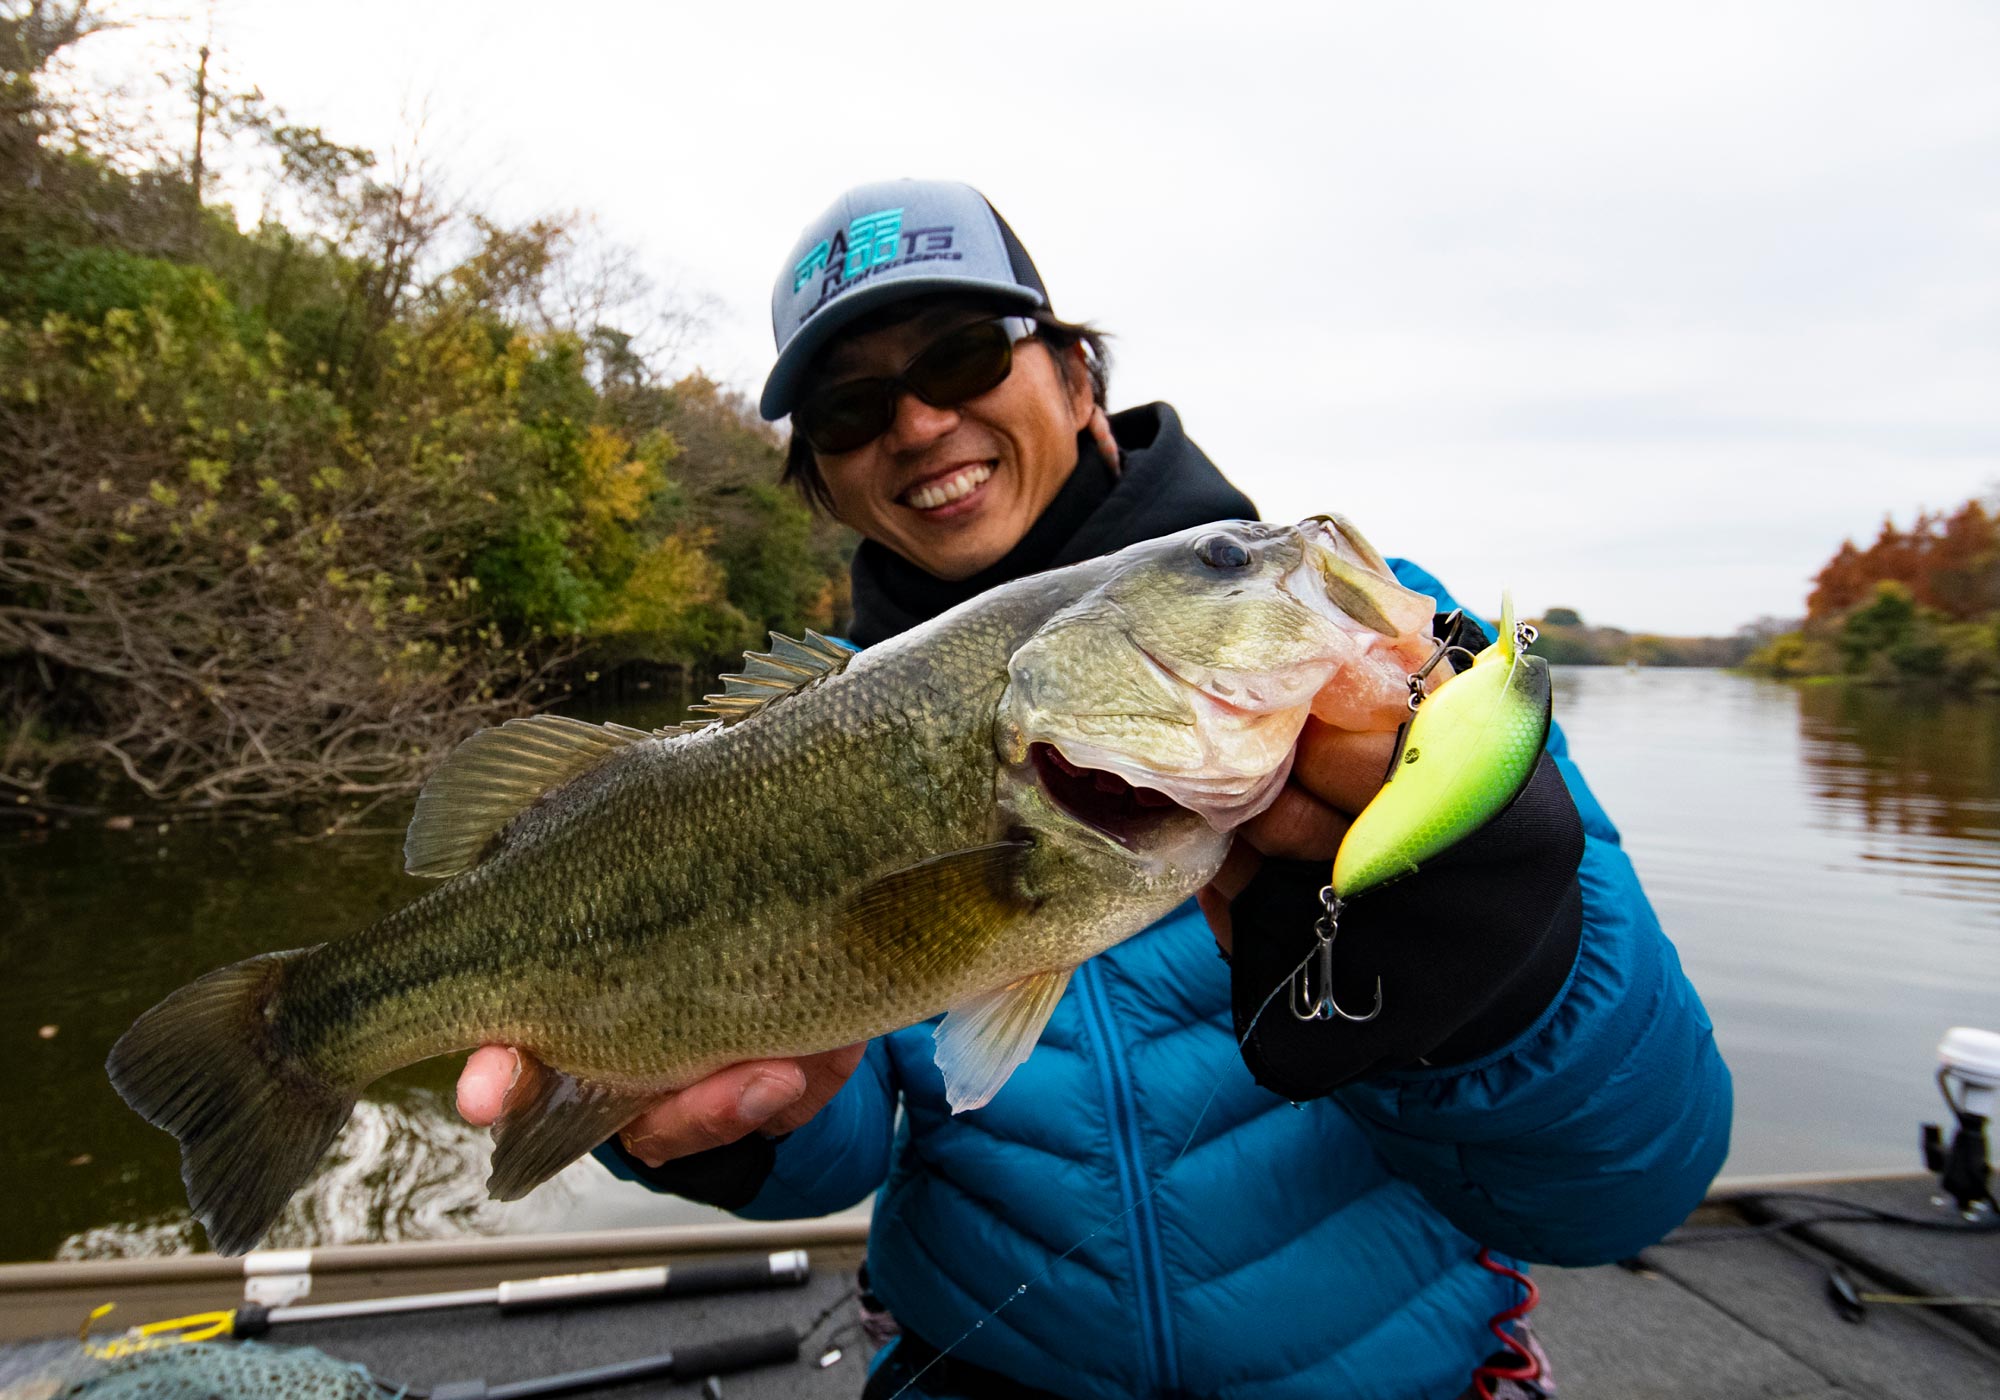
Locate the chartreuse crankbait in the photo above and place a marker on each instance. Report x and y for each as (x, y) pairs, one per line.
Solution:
(1466, 753)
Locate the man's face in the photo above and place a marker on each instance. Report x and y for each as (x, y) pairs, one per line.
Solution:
(953, 489)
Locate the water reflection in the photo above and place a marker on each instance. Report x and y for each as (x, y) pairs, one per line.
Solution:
(1918, 773)
(98, 925)
(1827, 862)
(405, 1169)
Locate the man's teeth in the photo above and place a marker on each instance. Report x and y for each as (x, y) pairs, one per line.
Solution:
(946, 489)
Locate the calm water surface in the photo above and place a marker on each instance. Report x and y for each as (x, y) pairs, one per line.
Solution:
(1827, 860)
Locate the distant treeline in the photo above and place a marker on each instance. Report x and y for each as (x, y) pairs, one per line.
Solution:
(1565, 638)
(1917, 605)
(291, 504)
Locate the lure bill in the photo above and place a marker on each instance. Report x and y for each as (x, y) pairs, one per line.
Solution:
(949, 822)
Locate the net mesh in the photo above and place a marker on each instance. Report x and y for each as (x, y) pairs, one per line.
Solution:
(198, 1371)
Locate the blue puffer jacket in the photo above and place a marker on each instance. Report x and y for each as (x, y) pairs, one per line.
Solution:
(1187, 1232)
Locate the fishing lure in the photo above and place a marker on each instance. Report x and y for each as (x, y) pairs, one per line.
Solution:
(1463, 756)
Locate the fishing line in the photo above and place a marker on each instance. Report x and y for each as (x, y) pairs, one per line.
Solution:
(1144, 1197)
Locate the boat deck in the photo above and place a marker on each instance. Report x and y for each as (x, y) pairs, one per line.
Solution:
(1727, 1319)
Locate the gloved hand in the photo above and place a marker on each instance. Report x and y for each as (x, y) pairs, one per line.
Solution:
(1470, 950)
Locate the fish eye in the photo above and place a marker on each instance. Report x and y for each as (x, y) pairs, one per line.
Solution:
(1223, 552)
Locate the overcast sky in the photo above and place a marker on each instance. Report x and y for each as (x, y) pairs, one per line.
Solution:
(1638, 309)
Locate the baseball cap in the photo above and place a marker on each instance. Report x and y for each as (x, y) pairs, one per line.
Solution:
(882, 243)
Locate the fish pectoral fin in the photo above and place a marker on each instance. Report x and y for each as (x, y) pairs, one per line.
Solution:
(493, 777)
(981, 1042)
(551, 1118)
(930, 919)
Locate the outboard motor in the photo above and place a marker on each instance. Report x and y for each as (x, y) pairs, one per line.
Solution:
(1969, 1078)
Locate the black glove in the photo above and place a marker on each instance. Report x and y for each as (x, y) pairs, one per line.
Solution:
(1470, 949)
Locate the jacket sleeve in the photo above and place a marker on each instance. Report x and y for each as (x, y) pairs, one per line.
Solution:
(1599, 1127)
(832, 1162)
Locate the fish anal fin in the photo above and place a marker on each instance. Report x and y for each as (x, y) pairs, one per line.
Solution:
(929, 921)
(981, 1042)
(493, 777)
(550, 1119)
(789, 666)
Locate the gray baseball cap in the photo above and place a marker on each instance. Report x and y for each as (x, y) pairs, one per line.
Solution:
(879, 244)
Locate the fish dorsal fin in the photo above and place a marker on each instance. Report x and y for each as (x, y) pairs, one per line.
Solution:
(789, 666)
(492, 778)
(982, 1041)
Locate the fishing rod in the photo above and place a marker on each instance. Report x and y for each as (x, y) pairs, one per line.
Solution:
(735, 1273)
(709, 1359)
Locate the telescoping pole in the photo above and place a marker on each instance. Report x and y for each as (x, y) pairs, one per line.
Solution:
(732, 1274)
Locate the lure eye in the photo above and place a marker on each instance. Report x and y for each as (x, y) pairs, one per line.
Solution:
(1222, 552)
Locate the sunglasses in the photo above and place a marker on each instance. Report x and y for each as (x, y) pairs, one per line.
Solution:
(960, 365)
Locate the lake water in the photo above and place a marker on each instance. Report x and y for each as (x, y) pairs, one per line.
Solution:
(1827, 860)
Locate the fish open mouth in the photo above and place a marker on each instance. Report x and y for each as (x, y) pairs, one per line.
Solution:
(1121, 810)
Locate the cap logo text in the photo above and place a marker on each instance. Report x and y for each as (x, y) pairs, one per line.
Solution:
(870, 244)
(872, 240)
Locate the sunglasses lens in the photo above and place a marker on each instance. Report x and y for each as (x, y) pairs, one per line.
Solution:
(964, 365)
(846, 416)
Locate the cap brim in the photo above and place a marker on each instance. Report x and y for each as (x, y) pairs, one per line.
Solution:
(781, 388)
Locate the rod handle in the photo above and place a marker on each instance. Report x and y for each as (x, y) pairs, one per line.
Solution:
(735, 1273)
(780, 1344)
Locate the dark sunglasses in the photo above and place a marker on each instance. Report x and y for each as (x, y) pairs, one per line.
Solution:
(960, 365)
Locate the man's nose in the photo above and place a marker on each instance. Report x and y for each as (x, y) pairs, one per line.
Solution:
(918, 424)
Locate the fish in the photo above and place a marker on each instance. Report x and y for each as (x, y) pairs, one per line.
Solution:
(840, 845)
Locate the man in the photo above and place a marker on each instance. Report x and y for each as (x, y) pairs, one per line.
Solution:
(1539, 1078)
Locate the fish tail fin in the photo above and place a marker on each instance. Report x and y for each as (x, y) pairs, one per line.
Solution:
(209, 1065)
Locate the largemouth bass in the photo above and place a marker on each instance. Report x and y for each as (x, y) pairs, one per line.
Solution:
(948, 822)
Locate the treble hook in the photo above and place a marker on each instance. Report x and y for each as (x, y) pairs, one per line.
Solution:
(1305, 1005)
(1442, 648)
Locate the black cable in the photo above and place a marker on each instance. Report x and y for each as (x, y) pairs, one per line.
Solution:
(806, 1335)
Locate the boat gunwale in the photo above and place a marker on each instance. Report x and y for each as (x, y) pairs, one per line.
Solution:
(719, 1237)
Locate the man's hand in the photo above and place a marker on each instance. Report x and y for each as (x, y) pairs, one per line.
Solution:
(774, 1096)
(1334, 775)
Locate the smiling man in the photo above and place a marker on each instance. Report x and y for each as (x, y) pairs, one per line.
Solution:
(950, 488)
(1212, 1195)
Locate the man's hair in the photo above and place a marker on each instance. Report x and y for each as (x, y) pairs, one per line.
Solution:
(802, 471)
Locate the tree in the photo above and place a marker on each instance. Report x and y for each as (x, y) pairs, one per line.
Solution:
(291, 509)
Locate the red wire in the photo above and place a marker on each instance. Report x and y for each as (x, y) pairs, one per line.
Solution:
(1530, 1369)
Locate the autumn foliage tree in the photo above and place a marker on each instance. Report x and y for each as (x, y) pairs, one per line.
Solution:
(1921, 603)
(289, 508)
